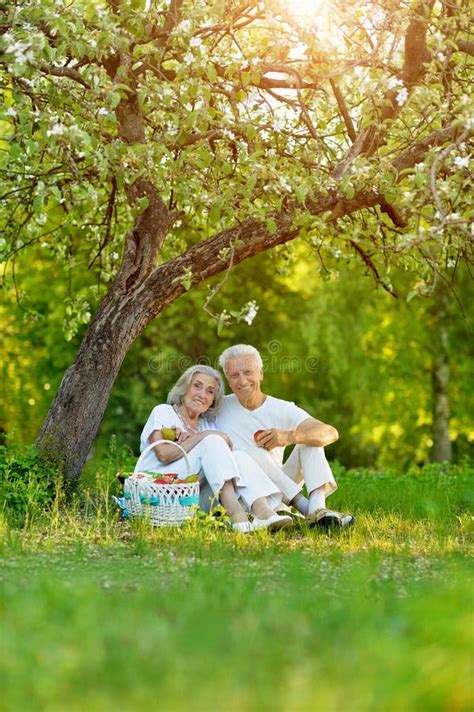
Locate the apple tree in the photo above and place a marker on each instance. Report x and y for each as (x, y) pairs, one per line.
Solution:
(158, 143)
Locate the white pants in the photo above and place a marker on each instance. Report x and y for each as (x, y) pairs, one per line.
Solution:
(305, 463)
(217, 464)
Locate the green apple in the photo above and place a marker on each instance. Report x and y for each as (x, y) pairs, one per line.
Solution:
(168, 434)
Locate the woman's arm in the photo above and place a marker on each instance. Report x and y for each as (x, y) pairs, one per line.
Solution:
(170, 453)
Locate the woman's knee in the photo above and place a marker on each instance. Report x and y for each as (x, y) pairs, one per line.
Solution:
(215, 441)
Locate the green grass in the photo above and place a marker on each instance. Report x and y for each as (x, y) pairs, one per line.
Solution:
(102, 615)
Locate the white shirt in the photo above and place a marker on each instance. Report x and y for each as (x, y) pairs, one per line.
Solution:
(163, 416)
(240, 424)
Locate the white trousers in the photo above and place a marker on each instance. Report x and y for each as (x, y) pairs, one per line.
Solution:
(216, 464)
(305, 463)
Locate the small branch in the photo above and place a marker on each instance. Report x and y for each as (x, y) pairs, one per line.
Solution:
(64, 72)
(368, 261)
(465, 46)
(344, 110)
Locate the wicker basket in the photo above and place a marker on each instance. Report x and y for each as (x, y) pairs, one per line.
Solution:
(166, 505)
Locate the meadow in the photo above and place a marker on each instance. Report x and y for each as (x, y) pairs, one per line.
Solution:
(103, 614)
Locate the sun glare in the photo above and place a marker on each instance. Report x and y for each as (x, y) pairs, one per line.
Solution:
(316, 15)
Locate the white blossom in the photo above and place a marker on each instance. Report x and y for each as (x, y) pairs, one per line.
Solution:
(188, 57)
(393, 82)
(11, 112)
(402, 96)
(184, 26)
(55, 130)
(195, 42)
(461, 161)
(250, 310)
(278, 123)
(285, 185)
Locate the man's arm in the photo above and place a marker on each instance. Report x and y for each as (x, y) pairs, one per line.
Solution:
(310, 432)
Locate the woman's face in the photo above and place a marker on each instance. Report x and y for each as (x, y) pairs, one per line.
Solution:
(201, 393)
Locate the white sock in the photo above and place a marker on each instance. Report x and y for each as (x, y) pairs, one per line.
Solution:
(317, 500)
(300, 503)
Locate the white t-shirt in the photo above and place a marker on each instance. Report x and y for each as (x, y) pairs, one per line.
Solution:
(240, 423)
(163, 416)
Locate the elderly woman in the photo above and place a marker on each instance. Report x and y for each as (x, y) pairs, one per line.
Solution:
(231, 476)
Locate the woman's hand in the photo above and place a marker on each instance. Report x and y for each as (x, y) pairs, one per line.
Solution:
(181, 436)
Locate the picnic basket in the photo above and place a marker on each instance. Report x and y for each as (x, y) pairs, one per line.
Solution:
(165, 504)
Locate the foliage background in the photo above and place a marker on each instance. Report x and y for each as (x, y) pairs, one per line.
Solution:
(348, 352)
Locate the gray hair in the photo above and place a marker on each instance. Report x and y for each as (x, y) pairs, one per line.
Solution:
(181, 387)
(237, 351)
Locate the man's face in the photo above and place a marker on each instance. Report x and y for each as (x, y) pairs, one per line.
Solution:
(244, 376)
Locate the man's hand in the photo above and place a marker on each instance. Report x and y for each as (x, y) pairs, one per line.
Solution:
(269, 439)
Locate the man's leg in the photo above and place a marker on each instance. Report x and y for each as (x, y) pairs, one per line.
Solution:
(309, 463)
(287, 486)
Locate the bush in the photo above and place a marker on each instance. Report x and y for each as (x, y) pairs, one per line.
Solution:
(28, 484)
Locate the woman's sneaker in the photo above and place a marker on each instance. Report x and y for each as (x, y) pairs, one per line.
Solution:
(273, 523)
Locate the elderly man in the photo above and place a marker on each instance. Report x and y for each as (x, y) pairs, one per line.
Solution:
(263, 426)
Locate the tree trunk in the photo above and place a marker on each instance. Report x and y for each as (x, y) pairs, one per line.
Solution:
(73, 420)
(442, 450)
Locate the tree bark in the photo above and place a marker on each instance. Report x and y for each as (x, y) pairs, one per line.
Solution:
(442, 450)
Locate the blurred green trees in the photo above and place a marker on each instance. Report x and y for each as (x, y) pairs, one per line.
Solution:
(351, 354)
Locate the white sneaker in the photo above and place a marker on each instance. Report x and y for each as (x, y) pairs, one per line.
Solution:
(243, 527)
(273, 523)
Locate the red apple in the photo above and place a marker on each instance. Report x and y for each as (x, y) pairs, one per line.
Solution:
(257, 434)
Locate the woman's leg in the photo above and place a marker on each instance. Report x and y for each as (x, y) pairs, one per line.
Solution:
(220, 470)
(261, 509)
(231, 504)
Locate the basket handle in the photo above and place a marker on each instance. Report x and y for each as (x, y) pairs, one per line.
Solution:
(167, 442)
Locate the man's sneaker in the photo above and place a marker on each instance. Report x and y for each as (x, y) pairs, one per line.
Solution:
(326, 519)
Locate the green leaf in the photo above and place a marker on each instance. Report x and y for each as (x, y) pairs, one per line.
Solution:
(419, 180)
(271, 226)
(348, 190)
(246, 78)
(143, 203)
(300, 193)
(115, 99)
(211, 73)
(251, 132)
